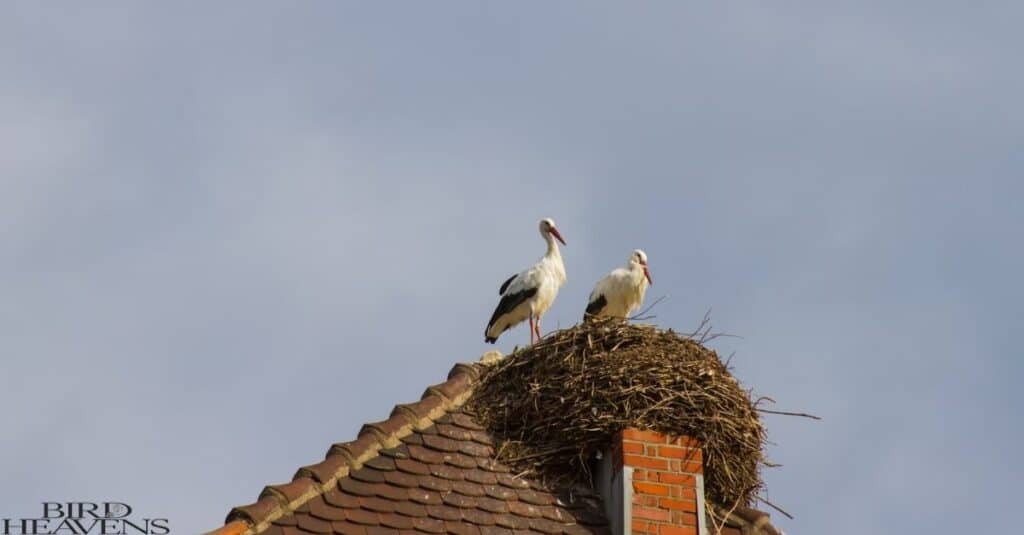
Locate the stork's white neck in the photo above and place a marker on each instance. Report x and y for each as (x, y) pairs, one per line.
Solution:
(636, 270)
(552, 246)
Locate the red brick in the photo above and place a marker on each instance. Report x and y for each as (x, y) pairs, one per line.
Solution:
(644, 436)
(641, 526)
(677, 530)
(681, 518)
(649, 501)
(675, 452)
(650, 513)
(632, 447)
(685, 480)
(686, 442)
(678, 492)
(676, 465)
(645, 462)
(681, 505)
(655, 489)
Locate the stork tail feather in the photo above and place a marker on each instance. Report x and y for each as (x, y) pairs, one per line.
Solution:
(595, 307)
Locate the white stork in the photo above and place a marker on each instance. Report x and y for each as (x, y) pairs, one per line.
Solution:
(529, 294)
(622, 291)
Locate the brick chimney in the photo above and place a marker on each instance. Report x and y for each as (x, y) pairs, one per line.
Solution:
(653, 484)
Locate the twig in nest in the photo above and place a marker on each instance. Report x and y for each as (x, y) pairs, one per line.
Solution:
(773, 506)
(785, 413)
(725, 518)
(762, 399)
(540, 454)
(702, 334)
(705, 323)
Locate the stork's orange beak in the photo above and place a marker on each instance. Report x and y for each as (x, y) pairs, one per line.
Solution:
(558, 235)
(647, 273)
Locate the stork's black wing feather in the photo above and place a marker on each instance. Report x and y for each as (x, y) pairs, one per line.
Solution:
(504, 285)
(595, 307)
(510, 302)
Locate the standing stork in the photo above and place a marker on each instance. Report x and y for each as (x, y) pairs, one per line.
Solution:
(622, 291)
(529, 294)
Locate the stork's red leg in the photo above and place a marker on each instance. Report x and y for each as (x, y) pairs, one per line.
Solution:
(536, 325)
(533, 332)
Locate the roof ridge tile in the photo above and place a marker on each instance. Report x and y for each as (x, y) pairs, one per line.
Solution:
(356, 450)
(328, 471)
(265, 510)
(388, 432)
(459, 385)
(470, 369)
(294, 493)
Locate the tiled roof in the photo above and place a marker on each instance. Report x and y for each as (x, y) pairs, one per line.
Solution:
(429, 468)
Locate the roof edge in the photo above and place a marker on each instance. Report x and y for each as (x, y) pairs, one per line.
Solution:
(236, 527)
(749, 520)
(276, 501)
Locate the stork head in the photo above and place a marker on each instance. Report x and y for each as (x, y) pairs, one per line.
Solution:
(547, 226)
(639, 259)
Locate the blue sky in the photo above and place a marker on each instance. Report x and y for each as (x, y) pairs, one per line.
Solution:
(232, 234)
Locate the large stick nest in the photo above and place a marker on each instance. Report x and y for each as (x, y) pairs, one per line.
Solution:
(555, 405)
